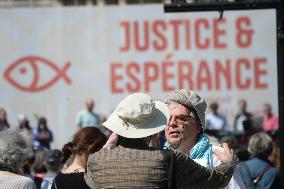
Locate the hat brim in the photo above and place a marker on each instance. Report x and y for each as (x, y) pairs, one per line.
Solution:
(156, 124)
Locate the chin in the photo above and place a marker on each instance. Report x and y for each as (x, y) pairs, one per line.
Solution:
(174, 141)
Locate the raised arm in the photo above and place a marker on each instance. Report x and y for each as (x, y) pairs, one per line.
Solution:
(189, 174)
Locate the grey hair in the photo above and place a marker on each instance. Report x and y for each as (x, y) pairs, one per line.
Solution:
(15, 147)
(260, 144)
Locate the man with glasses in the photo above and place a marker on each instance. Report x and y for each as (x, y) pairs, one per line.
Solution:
(184, 131)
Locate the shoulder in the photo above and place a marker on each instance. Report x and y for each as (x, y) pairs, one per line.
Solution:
(102, 152)
(96, 114)
(81, 113)
(24, 179)
(26, 182)
(253, 161)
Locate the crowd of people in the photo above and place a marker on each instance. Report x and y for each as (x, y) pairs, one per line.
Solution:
(244, 121)
(145, 144)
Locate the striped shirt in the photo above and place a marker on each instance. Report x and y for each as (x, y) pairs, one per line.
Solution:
(16, 182)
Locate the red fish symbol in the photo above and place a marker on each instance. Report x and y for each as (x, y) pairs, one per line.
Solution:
(24, 73)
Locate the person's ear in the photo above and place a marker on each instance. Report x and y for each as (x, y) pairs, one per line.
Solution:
(199, 128)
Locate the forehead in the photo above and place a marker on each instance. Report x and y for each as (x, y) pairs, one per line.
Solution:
(242, 102)
(178, 109)
(266, 106)
(89, 102)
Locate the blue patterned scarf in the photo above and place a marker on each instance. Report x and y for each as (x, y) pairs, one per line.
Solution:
(201, 150)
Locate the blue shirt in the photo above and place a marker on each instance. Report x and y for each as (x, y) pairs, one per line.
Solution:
(255, 166)
(86, 119)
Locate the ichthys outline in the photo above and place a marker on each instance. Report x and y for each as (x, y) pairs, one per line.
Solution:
(33, 61)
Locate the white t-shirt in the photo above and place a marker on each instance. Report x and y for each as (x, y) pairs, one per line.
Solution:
(240, 122)
(236, 181)
(215, 122)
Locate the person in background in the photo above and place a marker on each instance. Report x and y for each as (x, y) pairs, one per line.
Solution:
(38, 167)
(231, 141)
(243, 117)
(270, 121)
(3, 120)
(86, 141)
(258, 172)
(87, 117)
(42, 136)
(27, 167)
(137, 162)
(24, 124)
(242, 154)
(52, 162)
(14, 148)
(215, 121)
(184, 132)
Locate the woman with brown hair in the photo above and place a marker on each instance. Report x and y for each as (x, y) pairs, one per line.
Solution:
(85, 142)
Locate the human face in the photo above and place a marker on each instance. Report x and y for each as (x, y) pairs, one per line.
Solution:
(266, 109)
(90, 105)
(242, 105)
(182, 126)
(3, 115)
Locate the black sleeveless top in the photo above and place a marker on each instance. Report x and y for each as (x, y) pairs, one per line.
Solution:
(69, 181)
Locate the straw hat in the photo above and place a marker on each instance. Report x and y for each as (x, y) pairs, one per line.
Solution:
(138, 116)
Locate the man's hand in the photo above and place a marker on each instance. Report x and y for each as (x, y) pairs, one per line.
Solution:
(227, 155)
(111, 142)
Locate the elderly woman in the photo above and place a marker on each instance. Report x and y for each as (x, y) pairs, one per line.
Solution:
(14, 147)
(258, 172)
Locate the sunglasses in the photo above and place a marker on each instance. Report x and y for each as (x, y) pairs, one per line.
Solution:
(183, 119)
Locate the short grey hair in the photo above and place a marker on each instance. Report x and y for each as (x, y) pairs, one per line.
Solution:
(260, 144)
(15, 147)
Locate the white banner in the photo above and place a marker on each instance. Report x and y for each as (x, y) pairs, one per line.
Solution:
(53, 59)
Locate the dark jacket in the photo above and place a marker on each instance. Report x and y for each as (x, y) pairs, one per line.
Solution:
(148, 168)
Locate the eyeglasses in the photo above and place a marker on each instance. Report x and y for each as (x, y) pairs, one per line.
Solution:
(182, 119)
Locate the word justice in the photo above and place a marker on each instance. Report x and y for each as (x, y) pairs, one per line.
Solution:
(185, 34)
(241, 74)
